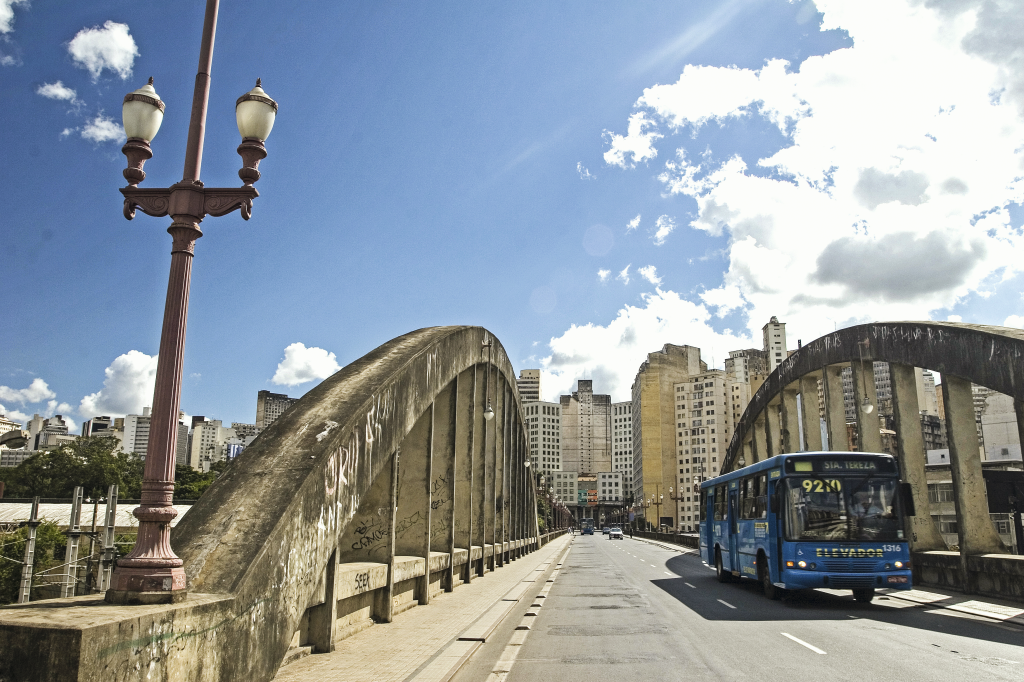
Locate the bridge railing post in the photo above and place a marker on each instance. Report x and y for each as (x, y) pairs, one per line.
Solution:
(910, 450)
(811, 411)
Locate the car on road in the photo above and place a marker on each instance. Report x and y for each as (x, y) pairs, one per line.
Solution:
(615, 534)
(606, 530)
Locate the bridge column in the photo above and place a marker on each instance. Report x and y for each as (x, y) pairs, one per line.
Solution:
(500, 423)
(413, 517)
(790, 422)
(835, 410)
(811, 413)
(975, 531)
(921, 531)
(465, 439)
(490, 452)
(323, 617)
(869, 435)
(772, 429)
(759, 449)
(748, 450)
(384, 606)
(442, 502)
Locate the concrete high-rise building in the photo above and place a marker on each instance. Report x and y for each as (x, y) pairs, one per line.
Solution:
(136, 432)
(96, 426)
(743, 364)
(622, 445)
(999, 428)
(775, 343)
(244, 431)
(544, 424)
(927, 398)
(610, 488)
(529, 385)
(270, 406)
(564, 484)
(53, 434)
(704, 427)
(586, 430)
(655, 430)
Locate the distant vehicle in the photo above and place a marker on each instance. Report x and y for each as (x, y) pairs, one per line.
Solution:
(615, 533)
(606, 530)
(809, 520)
(586, 526)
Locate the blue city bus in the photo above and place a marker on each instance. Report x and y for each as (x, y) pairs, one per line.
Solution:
(586, 526)
(809, 520)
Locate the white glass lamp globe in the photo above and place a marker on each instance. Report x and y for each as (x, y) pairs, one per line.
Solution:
(255, 113)
(142, 113)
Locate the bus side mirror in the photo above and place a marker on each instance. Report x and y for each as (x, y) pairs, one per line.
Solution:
(774, 503)
(908, 499)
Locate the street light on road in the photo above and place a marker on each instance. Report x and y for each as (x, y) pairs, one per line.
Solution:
(151, 572)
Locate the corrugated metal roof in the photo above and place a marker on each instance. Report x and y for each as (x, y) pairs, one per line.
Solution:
(60, 513)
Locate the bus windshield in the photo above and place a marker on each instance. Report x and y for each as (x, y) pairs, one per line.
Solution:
(841, 509)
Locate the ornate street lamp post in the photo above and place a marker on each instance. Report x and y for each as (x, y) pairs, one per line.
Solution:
(152, 573)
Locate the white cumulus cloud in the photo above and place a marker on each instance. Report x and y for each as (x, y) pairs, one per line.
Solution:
(109, 47)
(612, 353)
(7, 14)
(301, 364)
(650, 273)
(637, 142)
(35, 392)
(633, 224)
(57, 91)
(103, 129)
(603, 275)
(663, 227)
(584, 173)
(624, 275)
(127, 387)
(888, 195)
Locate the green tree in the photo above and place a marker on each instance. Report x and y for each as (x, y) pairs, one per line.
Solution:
(12, 551)
(93, 463)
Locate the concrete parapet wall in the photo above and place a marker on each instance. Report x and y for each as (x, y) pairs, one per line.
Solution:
(993, 575)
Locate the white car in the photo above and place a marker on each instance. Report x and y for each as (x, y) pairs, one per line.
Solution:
(615, 533)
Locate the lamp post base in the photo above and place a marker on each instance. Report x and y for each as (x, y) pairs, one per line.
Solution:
(147, 585)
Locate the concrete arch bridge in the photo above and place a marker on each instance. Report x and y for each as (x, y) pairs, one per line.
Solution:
(965, 354)
(403, 475)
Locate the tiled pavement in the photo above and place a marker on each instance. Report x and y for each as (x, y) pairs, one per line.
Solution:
(391, 652)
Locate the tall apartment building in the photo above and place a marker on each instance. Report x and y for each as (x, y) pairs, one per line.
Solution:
(586, 430)
(622, 444)
(136, 432)
(704, 427)
(610, 488)
(53, 434)
(529, 385)
(544, 423)
(655, 433)
(564, 484)
(270, 406)
(775, 342)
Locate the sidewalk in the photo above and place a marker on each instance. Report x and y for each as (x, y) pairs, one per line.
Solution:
(993, 609)
(391, 652)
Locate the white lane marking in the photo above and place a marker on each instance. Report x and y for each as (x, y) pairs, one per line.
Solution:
(667, 573)
(727, 603)
(689, 585)
(802, 642)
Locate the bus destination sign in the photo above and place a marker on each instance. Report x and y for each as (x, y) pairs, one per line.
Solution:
(842, 465)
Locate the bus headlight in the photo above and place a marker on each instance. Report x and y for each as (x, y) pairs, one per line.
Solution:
(802, 564)
(898, 564)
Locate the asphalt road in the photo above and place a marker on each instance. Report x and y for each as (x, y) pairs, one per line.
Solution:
(622, 610)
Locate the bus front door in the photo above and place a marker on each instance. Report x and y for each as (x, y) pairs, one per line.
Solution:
(734, 515)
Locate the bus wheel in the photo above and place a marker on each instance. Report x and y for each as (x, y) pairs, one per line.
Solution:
(864, 595)
(770, 590)
(723, 575)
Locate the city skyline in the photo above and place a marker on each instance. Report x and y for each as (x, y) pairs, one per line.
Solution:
(678, 181)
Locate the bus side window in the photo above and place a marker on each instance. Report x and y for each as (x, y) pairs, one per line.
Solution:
(720, 503)
(761, 499)
(748, 498)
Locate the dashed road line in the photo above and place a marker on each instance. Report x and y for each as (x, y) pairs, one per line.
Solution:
(689, 585)
(801, 642)
(727, 603)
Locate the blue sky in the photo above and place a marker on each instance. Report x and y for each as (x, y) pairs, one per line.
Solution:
(465, 163)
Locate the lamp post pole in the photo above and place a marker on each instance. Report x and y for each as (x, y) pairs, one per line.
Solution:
(151, 572)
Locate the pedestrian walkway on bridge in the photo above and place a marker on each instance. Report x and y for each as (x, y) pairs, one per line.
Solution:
(408, 647)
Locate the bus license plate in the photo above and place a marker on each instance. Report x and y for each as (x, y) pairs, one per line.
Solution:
(897, 579)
